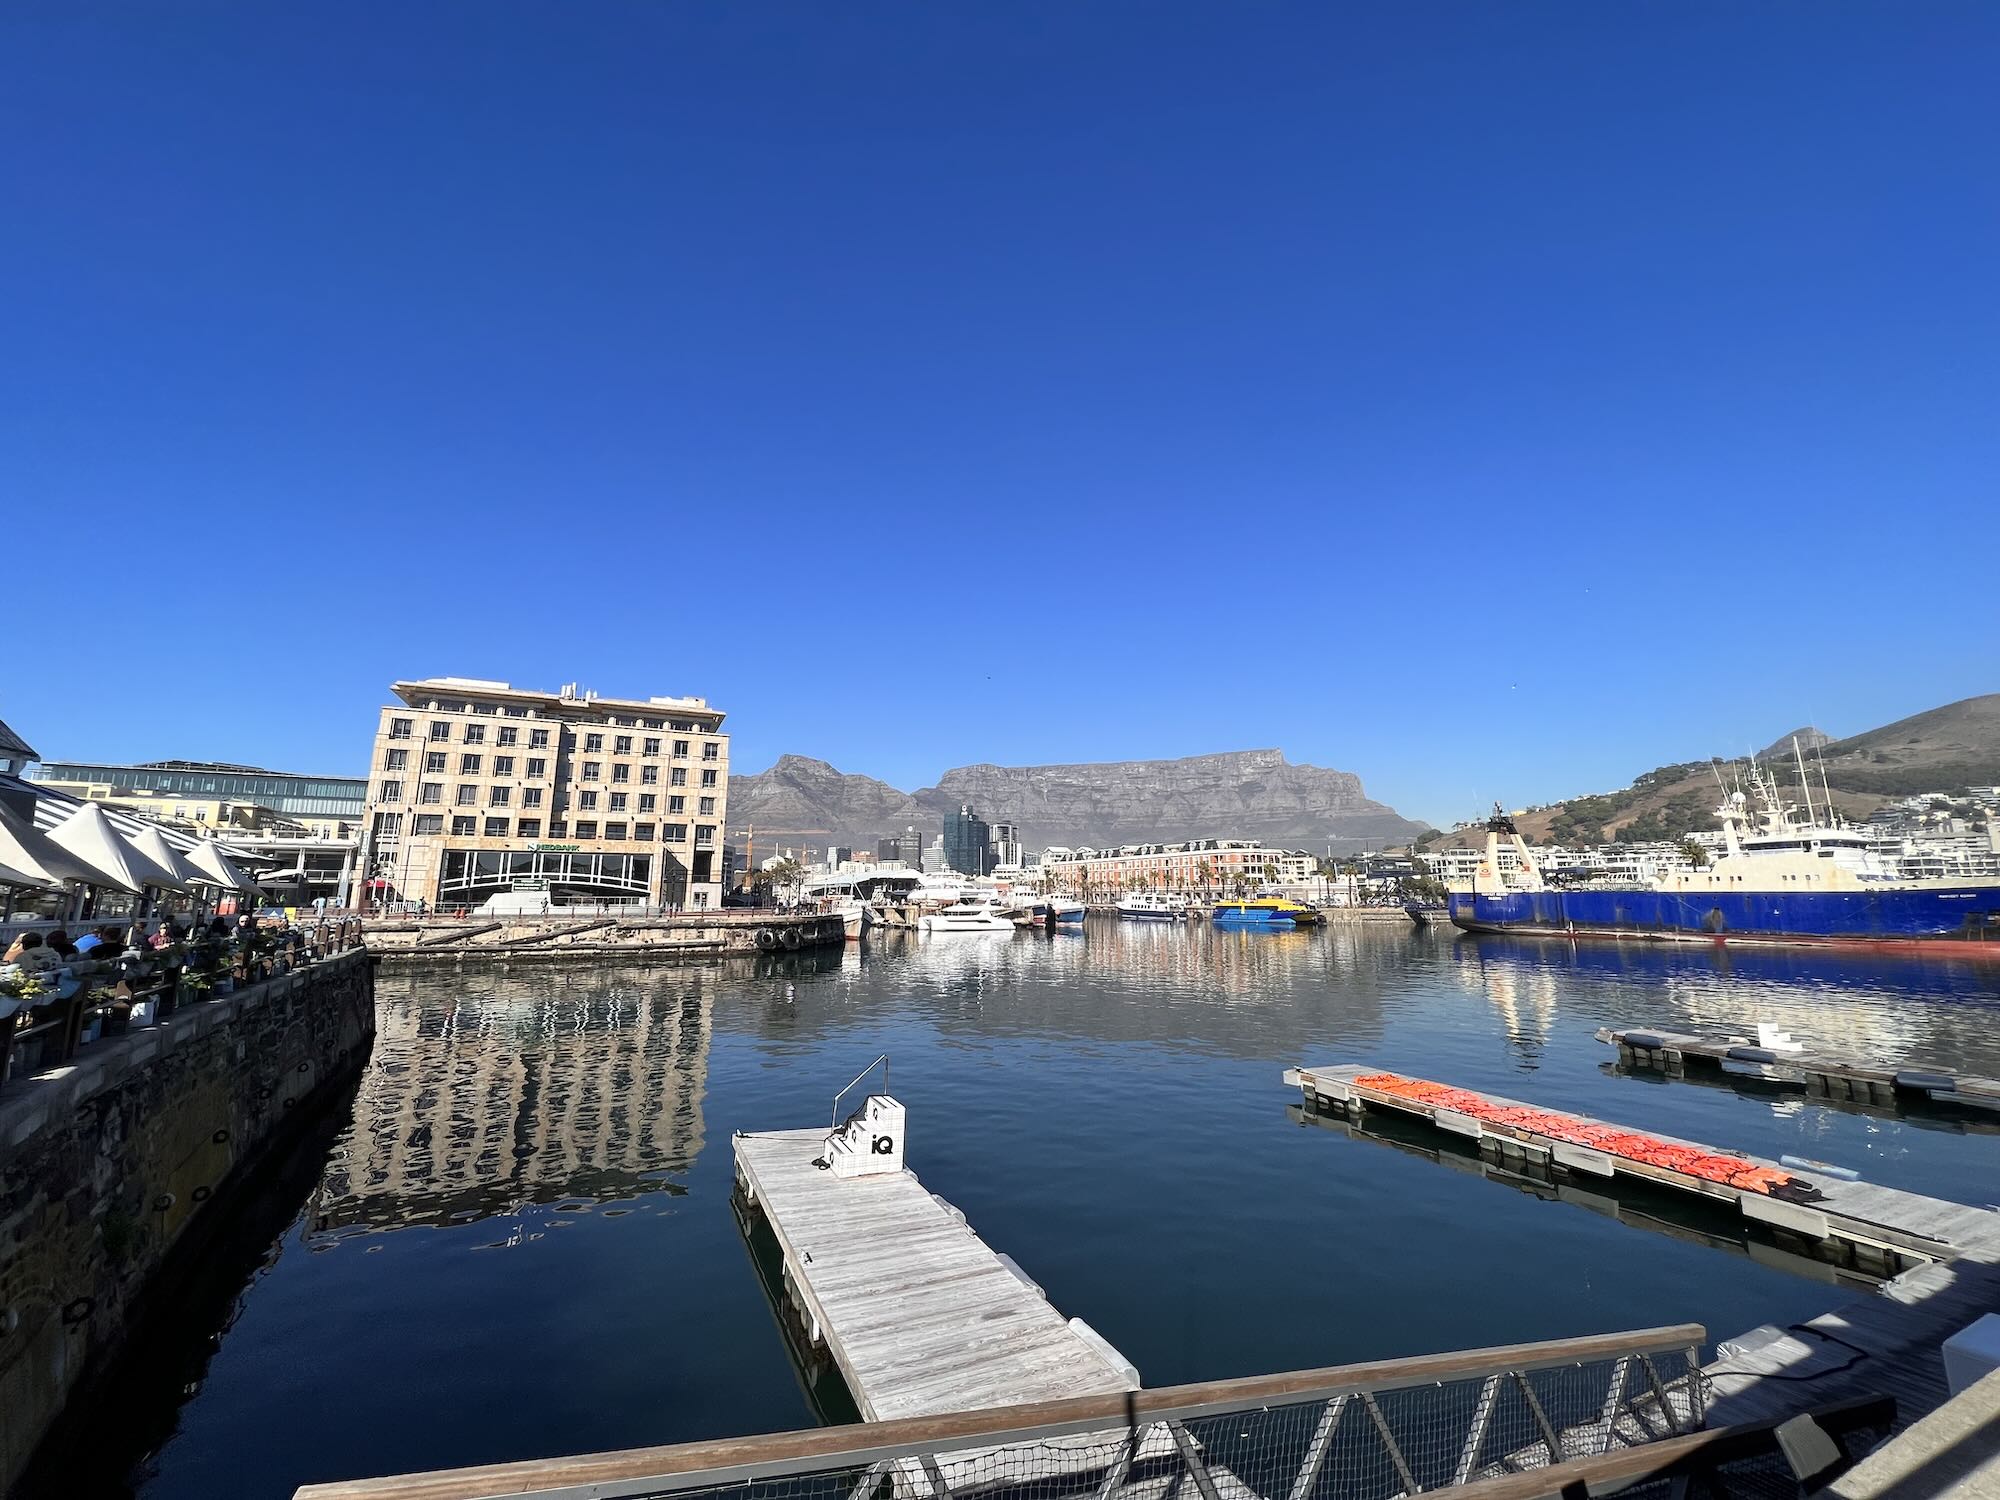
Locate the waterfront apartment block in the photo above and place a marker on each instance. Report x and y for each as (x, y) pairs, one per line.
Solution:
(478, 789)
(1198, 864)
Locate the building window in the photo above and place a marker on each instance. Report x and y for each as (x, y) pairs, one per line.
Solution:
(677, 804)
(507, 734)
(710, 750)
(591, 770)
(468, 765)
(621, 745)
(650, 747)
(587, 829)
(643, 832)
(388, 825)
(618, 801)
(531, 796)
(678, 776)
(392, 791)
(708, 778)
(620, 772)
(587, 801)
(496, 828)
(395, 760)
(707, 808)
(680, 749)
(499, 796)
(475, 734)
(676, 833)
(424, 823)
(503, 765)
(648, 802)
(649, 775)
(482, 708)
(558, 828)
(434, 762)
(614, 831)
(468, 796)
(704, 835)
(464, 828)
(529, 828)
(440, 731)
(430, 793)
(537, 766)
(399, 729)
(592, 743)
(538, 739)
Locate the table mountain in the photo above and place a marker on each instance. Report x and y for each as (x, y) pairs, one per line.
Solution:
(1240, 794)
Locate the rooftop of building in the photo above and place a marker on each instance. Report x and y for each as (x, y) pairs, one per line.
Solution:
(569, 699)
(52, 770)
(13, 746)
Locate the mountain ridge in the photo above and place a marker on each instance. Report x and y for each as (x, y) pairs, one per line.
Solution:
(1941, 749)
(1228, 794)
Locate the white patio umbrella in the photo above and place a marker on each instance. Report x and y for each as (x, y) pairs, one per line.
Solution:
(219, 870)
(26, 848)
(88, 834)
(11, 876)
(153, 844)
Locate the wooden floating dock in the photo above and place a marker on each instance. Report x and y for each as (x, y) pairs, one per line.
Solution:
(1941, 1262)
(1822, 1075)
(1877, 1231)
(920, 1315)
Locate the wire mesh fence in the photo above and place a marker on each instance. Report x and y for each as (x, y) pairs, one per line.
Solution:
(1333, 1440)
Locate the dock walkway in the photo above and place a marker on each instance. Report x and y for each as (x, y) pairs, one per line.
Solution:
(1821, 1074)
(1939, 1263)
(921, 1316)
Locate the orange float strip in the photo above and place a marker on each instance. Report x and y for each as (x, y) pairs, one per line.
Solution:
(1632, 1145)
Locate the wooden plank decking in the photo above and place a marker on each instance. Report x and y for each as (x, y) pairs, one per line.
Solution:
(1887, 1343)
(1820, 1074)
(919, 1313)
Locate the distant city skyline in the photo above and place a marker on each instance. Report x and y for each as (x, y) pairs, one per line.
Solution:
(1494, 403)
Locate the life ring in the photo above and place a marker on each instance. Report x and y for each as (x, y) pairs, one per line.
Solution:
(766, 939)
(790, 938)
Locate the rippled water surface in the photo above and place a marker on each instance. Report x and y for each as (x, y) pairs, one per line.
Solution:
(522, 1244)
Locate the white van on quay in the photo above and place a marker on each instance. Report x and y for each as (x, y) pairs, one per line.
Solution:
(515, 904)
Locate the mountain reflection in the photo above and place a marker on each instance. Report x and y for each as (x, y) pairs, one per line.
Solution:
(487, 1093)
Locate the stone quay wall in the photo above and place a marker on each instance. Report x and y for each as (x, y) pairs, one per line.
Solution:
(514, 939)
(130, 1150)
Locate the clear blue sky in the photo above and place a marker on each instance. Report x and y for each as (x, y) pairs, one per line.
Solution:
(1492, 399)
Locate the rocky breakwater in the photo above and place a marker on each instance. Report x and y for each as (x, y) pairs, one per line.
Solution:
(116, 1165)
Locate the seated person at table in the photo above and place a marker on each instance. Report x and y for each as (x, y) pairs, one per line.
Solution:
(32, 954)
(59, 941)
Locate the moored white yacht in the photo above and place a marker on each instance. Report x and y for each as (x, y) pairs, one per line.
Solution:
(1152, 906)
(967, 916)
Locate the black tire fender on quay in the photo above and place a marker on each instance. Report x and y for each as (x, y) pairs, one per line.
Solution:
(766, 939)
(790, 938)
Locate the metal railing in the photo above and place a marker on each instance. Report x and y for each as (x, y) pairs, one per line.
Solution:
(881, 1062)
(1348, 1432)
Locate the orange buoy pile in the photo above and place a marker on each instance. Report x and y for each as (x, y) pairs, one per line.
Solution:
(1735, 1171)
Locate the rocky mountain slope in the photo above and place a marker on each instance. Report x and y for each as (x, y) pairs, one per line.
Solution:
(1241, 794)
(1940, 750)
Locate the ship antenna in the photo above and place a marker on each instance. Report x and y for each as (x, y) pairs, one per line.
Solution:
(1819, 754)
(1804, 785)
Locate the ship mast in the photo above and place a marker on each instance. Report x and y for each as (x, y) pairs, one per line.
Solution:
(1804, 785)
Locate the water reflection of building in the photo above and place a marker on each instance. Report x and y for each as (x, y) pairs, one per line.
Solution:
(482, 1097)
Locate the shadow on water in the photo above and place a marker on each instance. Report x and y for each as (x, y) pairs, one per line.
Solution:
(112, 1426)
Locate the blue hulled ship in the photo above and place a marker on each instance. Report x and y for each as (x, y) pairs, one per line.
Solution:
(1780, 877)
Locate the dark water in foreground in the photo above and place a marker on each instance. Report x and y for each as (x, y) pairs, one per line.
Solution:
(523, 1243)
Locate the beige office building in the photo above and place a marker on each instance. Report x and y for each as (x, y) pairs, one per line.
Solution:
(479, 789)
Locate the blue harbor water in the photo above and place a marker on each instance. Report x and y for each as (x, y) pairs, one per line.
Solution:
(521, 1243)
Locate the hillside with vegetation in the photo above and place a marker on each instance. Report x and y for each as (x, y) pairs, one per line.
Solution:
(1941, 750)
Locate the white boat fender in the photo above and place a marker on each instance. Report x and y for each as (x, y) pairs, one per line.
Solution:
(1824, 1169)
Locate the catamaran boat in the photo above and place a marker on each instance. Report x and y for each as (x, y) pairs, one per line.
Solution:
(1277, 909)
(967, 916)
(1152, 906)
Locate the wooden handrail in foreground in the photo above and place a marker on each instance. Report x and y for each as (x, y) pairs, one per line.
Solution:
(633, 1471)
